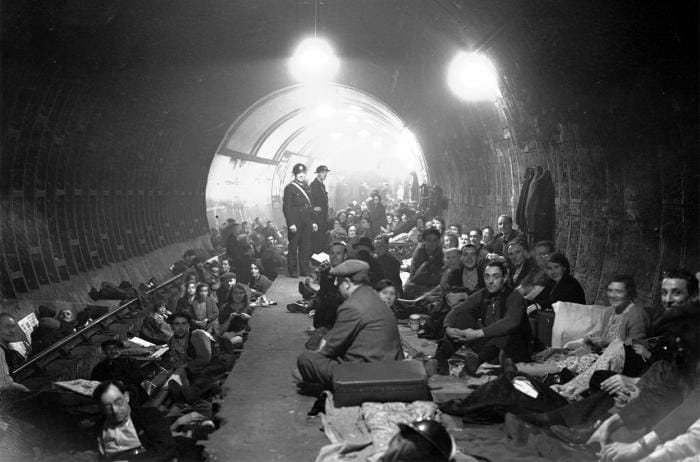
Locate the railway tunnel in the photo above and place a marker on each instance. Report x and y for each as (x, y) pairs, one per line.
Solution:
(130, 130)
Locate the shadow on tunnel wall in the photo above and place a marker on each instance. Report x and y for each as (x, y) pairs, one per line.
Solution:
(110, 120)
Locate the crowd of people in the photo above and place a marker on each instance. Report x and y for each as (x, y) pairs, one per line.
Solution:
(204, 329)
(480, 293)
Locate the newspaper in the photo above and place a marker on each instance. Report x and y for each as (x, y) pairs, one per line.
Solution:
(141, 342)
(321, 258)
(27, 324)
(80, 386)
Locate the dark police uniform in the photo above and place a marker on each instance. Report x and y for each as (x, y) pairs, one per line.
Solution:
(319, 198)
(297, 209)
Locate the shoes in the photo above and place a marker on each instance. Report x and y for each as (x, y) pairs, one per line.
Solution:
(576, 435)
(471, 364)
(298, 307)
(519, 430)
(310, 389)
(318, 407)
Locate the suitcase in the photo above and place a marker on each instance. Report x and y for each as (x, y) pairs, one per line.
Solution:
(380, 382)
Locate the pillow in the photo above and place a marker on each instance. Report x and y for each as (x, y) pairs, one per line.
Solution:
(573, 321)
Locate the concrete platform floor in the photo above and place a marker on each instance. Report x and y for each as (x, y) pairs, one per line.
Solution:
(264, 417)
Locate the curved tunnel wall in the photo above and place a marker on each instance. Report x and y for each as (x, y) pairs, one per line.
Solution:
(107, 139)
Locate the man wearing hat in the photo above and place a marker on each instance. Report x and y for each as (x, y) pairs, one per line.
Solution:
(364, 331)
(298, 211)
(227, 280)
(319, 201)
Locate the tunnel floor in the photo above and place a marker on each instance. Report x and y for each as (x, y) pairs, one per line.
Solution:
(264, 418)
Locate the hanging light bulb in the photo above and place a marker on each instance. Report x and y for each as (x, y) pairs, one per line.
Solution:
(314, 61)
(473, 77)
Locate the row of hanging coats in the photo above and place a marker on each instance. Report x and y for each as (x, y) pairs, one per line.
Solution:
(535, 214)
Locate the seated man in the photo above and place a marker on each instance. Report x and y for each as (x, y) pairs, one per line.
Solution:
(48, 331)
(425, 265)
(450, 283)
(500, 242)
(365, 330)
(188, 347)
(155, 328)
(391, 266)
(489, 322)
(117, 367)
(194, 356)
(271, 258)
(181, 266)
(541, 251)
(520, 264)
(131, 434)
(326, 301)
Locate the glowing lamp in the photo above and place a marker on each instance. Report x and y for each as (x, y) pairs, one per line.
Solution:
(314, 61)
(473, 77)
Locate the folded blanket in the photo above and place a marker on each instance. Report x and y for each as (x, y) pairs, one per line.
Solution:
(573, 321)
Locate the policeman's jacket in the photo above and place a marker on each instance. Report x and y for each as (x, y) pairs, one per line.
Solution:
(319, 197)
(296, 205)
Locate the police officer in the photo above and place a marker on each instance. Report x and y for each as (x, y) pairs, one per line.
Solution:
(319, 201)
(298, 212)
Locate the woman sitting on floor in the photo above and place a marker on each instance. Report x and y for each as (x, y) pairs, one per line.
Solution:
(203, 309)
(234, 316)
(627, 324)
(543, 288)
(259, 283)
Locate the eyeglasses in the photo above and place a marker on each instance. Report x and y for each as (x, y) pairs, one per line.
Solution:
(119, 402)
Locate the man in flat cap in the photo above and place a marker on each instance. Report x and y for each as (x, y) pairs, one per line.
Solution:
(319, 201)
(298, 211)
(364, 331)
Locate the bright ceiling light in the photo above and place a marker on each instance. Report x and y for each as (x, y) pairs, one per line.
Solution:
(314, 61)
(473, 77)
(324, 110)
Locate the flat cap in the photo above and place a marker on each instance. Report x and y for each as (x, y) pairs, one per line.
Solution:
(349, 268)
(227, 275)
(322, 168)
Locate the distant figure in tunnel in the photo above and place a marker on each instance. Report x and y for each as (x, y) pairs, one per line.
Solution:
(298, 212)
(319, 201)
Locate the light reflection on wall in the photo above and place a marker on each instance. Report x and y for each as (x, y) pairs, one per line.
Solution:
(238, 189)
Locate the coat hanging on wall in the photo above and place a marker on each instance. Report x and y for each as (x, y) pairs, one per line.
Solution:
(520, 219)
(539, 209)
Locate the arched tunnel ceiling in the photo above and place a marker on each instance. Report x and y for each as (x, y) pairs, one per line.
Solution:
(115, 99)
(295, 117)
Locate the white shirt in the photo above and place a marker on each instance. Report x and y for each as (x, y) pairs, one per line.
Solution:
(118, 439)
